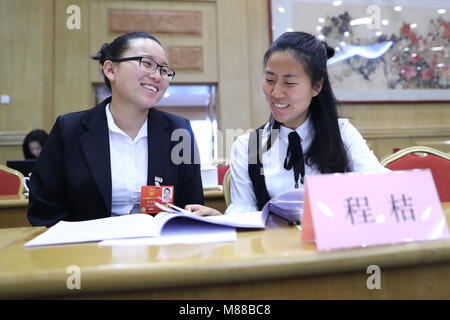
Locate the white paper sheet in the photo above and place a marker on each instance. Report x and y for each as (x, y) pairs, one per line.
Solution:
(181, 232)
(141, 225)
(255, 219)
(138, 226)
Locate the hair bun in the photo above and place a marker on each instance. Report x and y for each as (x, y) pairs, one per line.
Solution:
(102, 54)
(330, 50)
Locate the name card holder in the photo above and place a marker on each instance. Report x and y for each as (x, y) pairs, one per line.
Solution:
(358, 210)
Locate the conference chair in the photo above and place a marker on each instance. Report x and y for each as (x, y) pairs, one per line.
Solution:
(226, 187)
(420, 157)
(11, 182)
(221, 170)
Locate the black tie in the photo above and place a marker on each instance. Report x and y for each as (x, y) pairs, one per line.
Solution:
(294, 157)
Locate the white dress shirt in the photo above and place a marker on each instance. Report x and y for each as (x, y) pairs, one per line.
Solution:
(129, 166)
(278, 179)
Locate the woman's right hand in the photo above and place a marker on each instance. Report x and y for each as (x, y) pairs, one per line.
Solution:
(200, 210)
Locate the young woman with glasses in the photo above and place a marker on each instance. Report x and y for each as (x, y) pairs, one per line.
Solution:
(96, 161)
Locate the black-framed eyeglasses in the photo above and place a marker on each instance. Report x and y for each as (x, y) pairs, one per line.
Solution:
(150, 65)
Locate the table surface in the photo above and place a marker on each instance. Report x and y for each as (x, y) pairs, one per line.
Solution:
(13, 209)
(21, 201)
(273, 253)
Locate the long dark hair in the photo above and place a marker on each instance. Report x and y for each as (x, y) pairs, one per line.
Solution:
(38, 135)
(327, 150)
(115, 49)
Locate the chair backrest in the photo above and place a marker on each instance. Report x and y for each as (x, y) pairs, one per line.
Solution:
(420, 157)
(11, 182)
(226, 187)
(221, 170)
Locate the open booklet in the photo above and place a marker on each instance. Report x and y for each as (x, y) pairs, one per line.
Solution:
(288, 205)
(142, 225)
(173, 221)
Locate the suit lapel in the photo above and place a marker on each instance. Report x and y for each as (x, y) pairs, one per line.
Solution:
(158, 146)
(95, 145)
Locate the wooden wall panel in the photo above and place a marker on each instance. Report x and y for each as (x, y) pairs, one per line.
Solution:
(440, 143)
(73, 90)
(186, 58)
(206, 40)
(258, 32)
(396, 126)
(10, 153)
(155, 21)
(26, 39)
(233, 107)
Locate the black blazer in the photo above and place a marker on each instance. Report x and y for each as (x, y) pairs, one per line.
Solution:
(72, 179)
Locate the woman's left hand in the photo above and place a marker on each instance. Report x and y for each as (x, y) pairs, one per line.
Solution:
(200, 210)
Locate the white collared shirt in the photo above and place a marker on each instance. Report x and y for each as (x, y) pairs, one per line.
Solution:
(278, 179)
(129, 166)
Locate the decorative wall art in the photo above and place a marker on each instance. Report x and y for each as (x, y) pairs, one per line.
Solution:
(384, 50)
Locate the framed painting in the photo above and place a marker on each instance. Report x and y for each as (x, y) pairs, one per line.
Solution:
(385, 50)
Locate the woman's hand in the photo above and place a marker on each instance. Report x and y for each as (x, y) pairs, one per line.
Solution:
(200, 210)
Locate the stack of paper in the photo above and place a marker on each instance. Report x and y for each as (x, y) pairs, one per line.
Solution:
(176, 226)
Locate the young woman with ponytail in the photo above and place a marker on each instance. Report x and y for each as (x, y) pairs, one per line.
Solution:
(303, 136)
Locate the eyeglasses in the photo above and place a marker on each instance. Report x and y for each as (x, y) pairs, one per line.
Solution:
(151, 66)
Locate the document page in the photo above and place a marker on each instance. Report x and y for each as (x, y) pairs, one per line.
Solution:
(181, 231)
(142, 225)
(134, 225)
(255, 219)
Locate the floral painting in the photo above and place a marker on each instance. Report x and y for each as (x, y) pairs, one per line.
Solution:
(405, 57)
(409, 63)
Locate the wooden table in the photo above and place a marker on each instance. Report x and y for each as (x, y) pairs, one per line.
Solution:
(13, 212)
(262, 264)
(13, 209)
